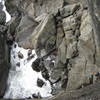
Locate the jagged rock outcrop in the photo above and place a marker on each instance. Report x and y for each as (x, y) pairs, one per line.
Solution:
(4, 52)
(71, 28)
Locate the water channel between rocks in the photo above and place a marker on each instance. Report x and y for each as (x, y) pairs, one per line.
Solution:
(23, 81)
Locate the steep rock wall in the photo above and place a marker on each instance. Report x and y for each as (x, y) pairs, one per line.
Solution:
(65, 31)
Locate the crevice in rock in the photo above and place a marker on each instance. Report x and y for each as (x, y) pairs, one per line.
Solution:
(59, 22)
(95, 52)
(61, 55)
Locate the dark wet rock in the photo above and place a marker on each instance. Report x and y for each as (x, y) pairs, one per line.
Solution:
(10, 39)
(1, 6)
(2, 18)
(14, 57)
(30, 57)
(37, 96)
(2, 15)
(3, 29)
(38, 65)
(46, 75)
(18, 64)
(29, 98)
(35, 65)
(34, 96)
(15, 45)
(20, 55)
(40, 83)
(4, 53)
(29, 52)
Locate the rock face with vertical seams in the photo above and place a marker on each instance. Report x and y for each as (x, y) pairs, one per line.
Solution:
(65, 36)
(4, 64)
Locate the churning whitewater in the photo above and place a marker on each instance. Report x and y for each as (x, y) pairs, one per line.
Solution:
(22, 79)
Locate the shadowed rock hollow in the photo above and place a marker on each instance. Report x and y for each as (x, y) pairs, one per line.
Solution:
(66, 37)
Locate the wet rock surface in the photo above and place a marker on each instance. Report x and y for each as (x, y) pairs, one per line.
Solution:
(65, 36)
(4, 63)
(40, 83)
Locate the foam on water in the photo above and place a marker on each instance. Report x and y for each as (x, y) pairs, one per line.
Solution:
(22, 80)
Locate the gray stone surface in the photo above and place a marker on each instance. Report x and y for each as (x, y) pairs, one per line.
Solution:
(72, 27)
(4, 55)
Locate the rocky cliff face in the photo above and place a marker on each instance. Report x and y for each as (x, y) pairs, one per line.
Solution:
(65, 35)
(4, 52)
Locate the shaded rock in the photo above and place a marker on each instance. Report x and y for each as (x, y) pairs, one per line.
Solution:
(37, 96)
(29, 52)
(10, 39)
(20, 55)
(83, 2)
(35, 65)
(69, 10)
(2, 14)
(3, 29)
(45, 75)
(4, 54)
(34, 96)
(29, 98)
(15, 46)
(18, 64)
(19, 6)
(71, 1)
(40, 83)
(30, 57)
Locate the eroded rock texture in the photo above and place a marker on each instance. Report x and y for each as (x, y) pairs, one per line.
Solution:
(66, 33)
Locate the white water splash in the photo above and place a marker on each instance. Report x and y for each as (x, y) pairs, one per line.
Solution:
(8, 17)
(22, 81)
